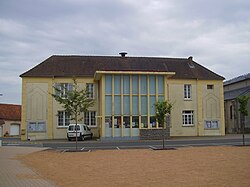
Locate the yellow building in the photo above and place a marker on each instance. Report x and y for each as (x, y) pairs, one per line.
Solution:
(125, 90)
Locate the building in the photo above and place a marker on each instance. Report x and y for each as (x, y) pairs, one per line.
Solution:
(10, 120)
(125, 90)
(232, 89)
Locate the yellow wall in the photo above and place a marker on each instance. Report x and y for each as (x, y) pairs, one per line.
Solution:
(206, 104)
(35, 106)
(39, 105)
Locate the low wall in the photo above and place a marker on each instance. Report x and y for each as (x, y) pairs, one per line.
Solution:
(154, 134)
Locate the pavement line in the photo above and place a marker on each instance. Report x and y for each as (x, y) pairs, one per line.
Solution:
(63, 148)
(152, 147)
(118, 148)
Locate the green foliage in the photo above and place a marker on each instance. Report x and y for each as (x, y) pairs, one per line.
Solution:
(74, 101)
(163, 108)
(243, 100)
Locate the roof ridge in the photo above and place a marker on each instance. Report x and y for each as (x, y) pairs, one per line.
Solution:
(112, 56)
(237, 79)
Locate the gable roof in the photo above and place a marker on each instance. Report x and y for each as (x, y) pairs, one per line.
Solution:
(10, 112)
(233, 94)
(237, 79)
(78, 66)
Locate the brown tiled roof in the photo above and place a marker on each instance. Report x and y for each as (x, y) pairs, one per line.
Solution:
(68, 66)
(10, 112)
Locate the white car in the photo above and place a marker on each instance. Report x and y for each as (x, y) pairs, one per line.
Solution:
(83, 131)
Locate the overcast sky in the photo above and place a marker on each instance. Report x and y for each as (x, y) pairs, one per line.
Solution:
(215, 32)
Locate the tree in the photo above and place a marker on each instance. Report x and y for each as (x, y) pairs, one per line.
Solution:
(243, 100)
(163, 110)
(75, 101)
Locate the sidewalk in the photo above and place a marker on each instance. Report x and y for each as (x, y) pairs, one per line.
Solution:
(39, 143)
(15, 174)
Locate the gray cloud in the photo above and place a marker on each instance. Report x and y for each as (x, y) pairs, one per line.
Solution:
(215, 33)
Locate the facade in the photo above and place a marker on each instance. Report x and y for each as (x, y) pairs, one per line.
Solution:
(10, 120)
(125, 90)
(232, 89)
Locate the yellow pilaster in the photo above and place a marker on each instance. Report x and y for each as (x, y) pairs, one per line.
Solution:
(156, 95)
(122, 130)
(131, 102)
(24, 108)
(139, 97)
(113, 104)
(103, 126)
(200, 130)
(148, 101)
(50, 110)
(222, 116)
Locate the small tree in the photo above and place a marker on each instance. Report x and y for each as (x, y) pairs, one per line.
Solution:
(163, 109)
(243, 100)
(74, 101)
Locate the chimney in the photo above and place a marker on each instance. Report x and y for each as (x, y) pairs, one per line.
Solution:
(123, 54)
(190, 62)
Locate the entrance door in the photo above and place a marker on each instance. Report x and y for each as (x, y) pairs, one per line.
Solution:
(14, 129)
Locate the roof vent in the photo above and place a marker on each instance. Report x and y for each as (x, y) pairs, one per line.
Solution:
(123, 54)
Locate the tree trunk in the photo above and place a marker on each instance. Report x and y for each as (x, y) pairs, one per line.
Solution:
(163, 141)
(243, 129)
(76, 131)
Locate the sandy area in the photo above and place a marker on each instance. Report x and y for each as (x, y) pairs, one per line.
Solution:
(202, 166)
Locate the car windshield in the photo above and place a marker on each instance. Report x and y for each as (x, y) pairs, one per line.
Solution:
(72, 128)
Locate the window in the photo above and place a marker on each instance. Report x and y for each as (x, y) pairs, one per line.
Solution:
(213, 124)
(89, 118)
(210, 87)
(126, 121)
(187, 117)
(152, 121)
(144, 121)
(63, 88)
(108, 84)
(63, 118)
(36, 126)
(135, 121)
(90, 88)
(231, 112)
(187, 91)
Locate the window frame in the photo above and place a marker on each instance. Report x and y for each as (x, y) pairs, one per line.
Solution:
(206, 127)
(187, 115)
(187, 90)
(89, 117)
(91, 90)
(210, 86)
(63, 87)
(64, 119)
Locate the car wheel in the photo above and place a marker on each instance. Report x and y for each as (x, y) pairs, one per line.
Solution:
(91, 136)
(69, 139)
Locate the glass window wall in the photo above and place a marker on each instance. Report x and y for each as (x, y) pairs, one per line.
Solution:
(114, 100)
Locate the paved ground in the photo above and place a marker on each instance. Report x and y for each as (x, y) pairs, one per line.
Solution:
(63, 144)
(14, 174)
